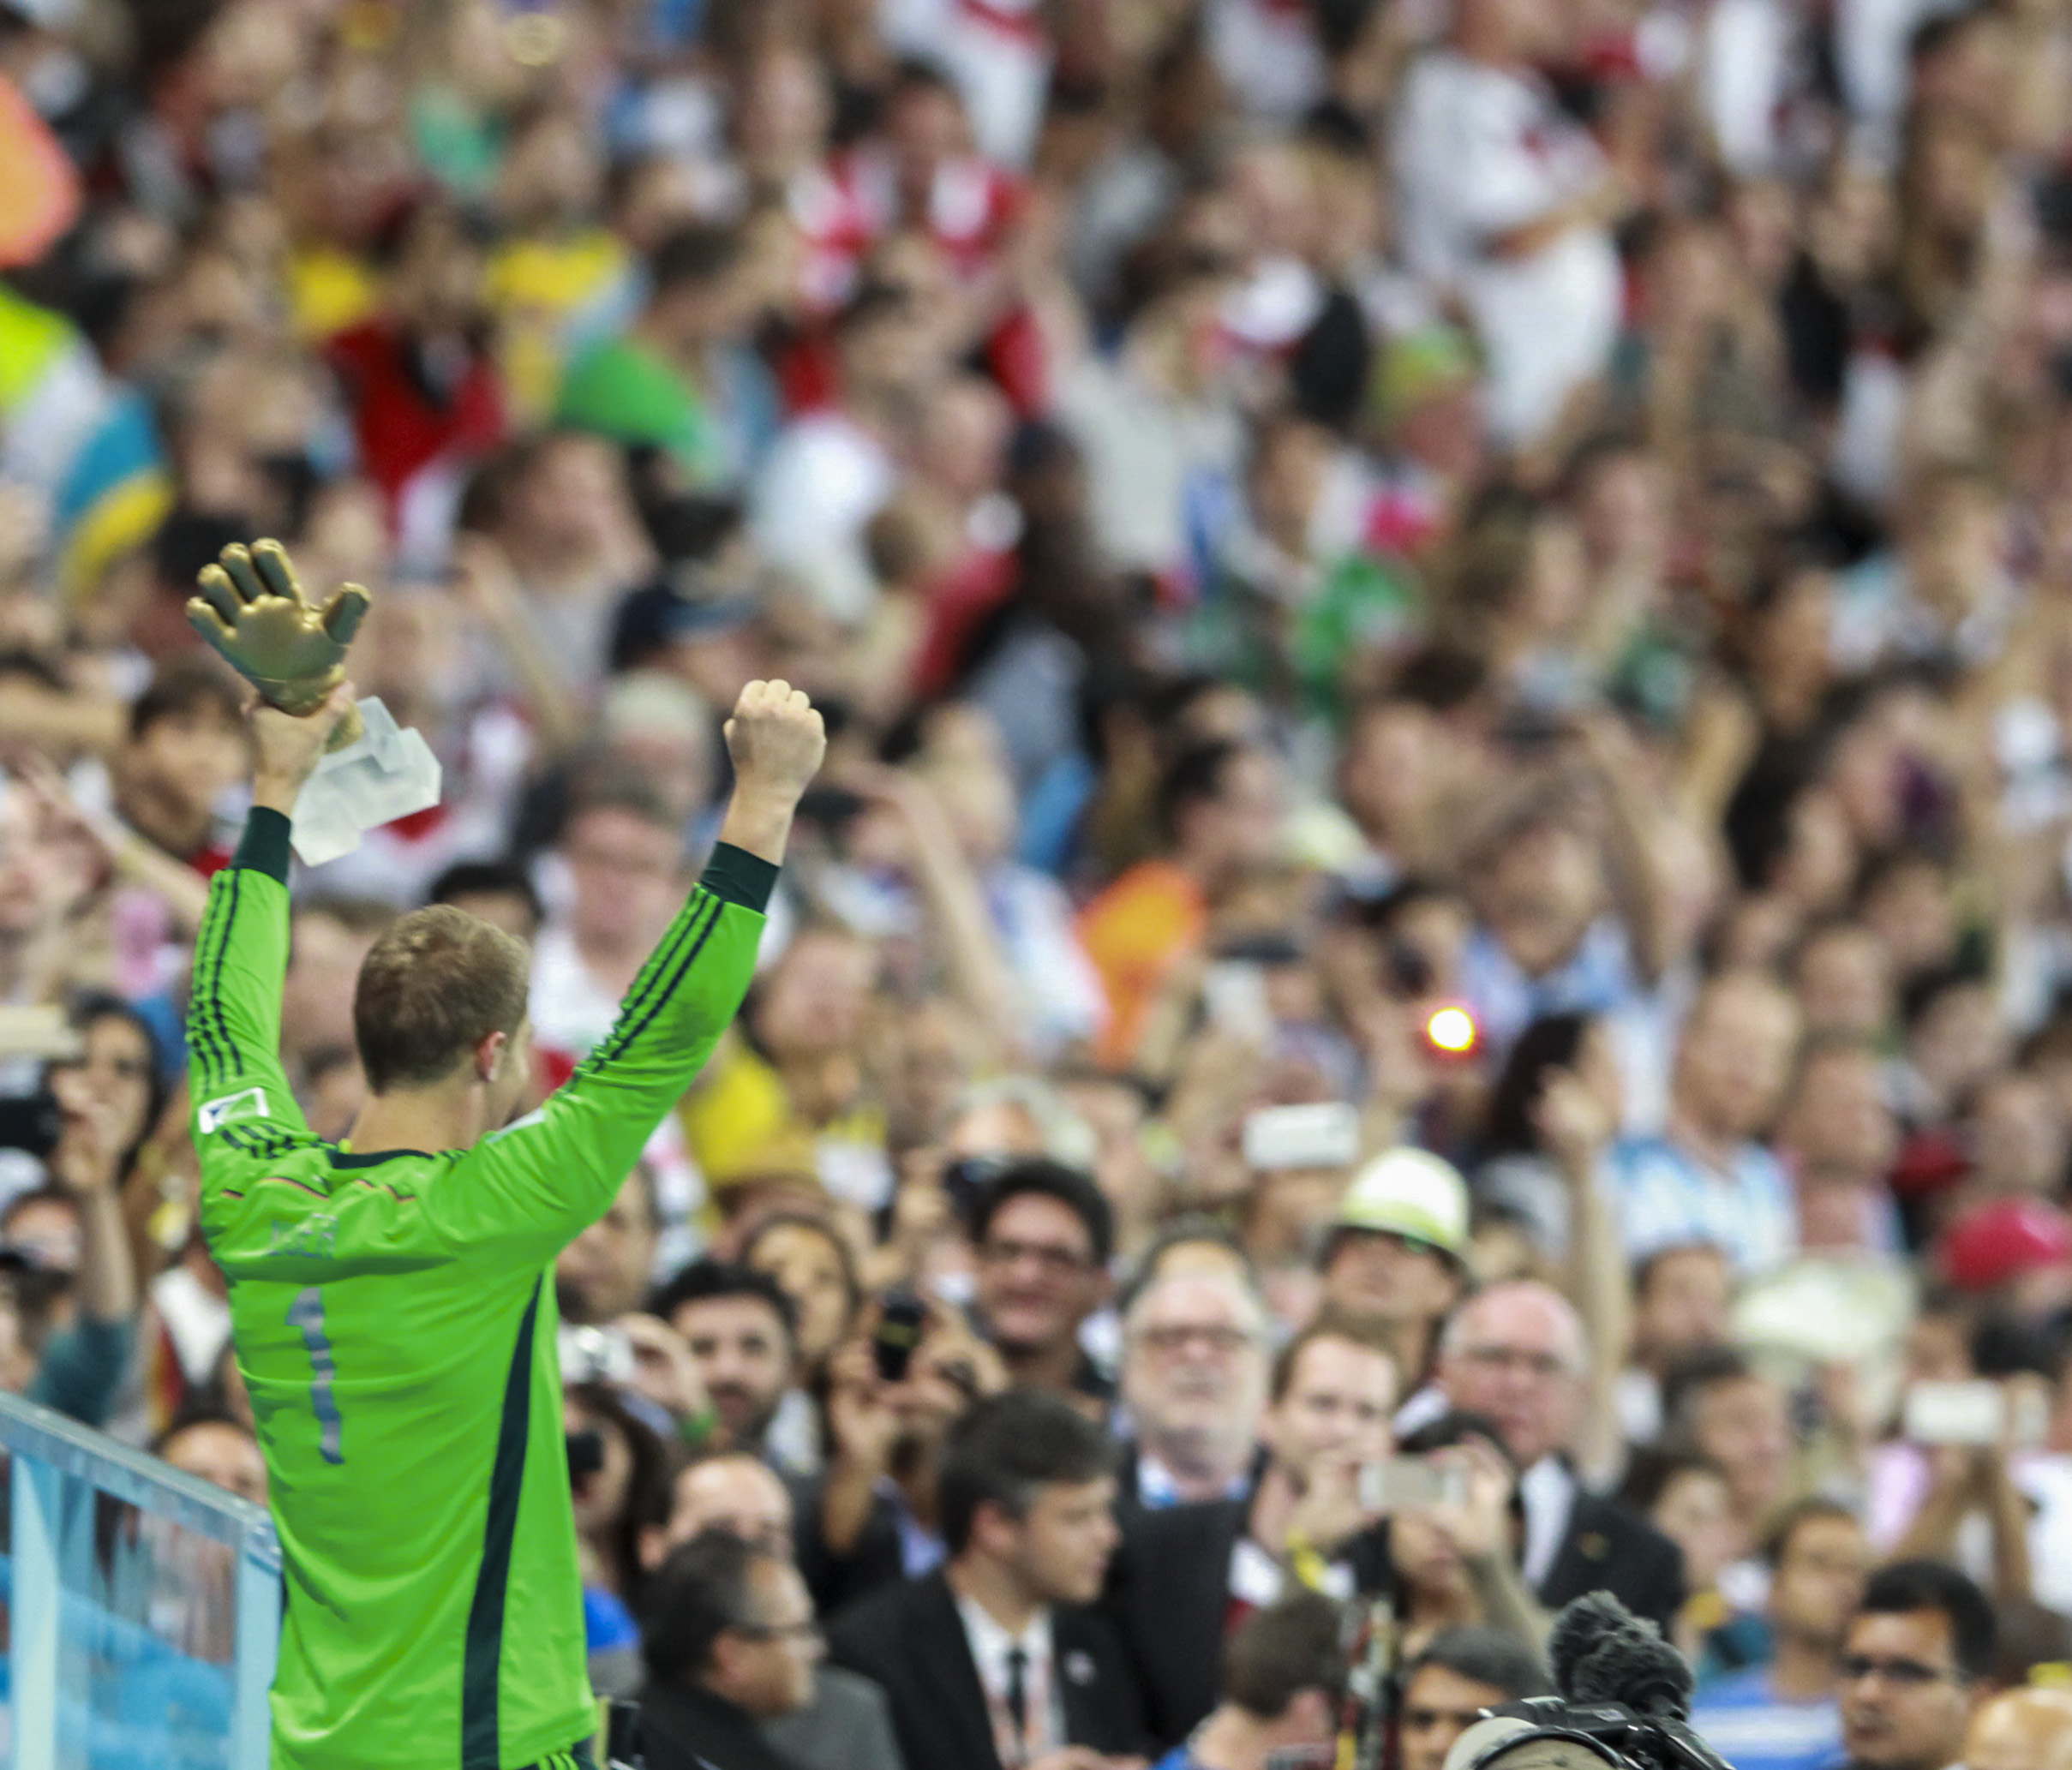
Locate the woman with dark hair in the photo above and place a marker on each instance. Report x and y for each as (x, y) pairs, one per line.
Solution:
(1528, 1148)
(619, 1479)
(1456, 1560)
(76, 1301)
(815, 1267)
(119, 1063)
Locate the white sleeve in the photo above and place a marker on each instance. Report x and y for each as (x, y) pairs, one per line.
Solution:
(1500, 180)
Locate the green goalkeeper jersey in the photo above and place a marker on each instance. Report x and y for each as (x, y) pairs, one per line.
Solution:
(394, 1318)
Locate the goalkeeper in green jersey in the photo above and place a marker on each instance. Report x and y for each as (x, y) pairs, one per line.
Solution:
(391, 1296)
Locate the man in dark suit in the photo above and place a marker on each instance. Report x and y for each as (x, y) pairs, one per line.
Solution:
(730, 1643)
(1185, 1574)
(993, 1662)
(1516, 1354)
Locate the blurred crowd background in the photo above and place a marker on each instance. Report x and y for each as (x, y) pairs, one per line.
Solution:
(1447, 632)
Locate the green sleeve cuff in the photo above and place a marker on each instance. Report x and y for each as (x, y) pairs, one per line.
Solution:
(265, 846)
(732, 873)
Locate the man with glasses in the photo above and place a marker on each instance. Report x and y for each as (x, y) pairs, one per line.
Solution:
(730, 1643)
(1516, 1354)
(1194, 1381)
(1914, 1664)
(1044, 1233)
(844, 1725)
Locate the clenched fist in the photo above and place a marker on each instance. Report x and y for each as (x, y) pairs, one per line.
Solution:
(776, 740)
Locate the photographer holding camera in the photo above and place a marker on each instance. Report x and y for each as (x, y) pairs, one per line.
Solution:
(871, 1520)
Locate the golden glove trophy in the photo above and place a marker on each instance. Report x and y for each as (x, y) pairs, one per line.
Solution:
(253, 610)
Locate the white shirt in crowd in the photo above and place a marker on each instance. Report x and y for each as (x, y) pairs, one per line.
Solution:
(825, 477)
(1043, 1714)
(1548, 1491)
(1480, 151)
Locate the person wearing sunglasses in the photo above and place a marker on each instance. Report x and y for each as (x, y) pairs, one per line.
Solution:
(1914, 1662)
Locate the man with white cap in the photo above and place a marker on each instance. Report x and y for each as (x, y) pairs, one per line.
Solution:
(1395, 1258)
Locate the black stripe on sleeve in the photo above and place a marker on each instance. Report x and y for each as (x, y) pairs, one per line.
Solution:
(207, 1054)
(485, 1642)
(621, 1040)
(651, 976)
(648, 998)
(220, 1026)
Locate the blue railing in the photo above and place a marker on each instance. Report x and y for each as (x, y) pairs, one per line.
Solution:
(143, 1607)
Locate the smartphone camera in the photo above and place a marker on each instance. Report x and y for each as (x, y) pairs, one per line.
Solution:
(1412, 1481)
(585, 1453)
(902, 1317)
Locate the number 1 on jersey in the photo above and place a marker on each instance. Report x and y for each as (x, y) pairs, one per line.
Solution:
(307, 1314)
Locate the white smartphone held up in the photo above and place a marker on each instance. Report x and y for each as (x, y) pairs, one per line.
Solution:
(1971, 1412)
(1409, 1481)
(1324, 1134)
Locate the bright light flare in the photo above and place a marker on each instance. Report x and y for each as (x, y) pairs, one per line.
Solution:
(1452, 1029)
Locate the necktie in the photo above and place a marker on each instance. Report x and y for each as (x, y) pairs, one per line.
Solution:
(1018, 1698)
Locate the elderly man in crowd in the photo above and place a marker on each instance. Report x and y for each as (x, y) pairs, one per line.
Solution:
(1515, 1354)
(1194, 1381)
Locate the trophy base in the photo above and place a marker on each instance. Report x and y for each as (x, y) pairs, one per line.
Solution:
(384, 773)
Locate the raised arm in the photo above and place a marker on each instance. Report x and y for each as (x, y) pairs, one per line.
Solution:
(242, 1102)
(536, 1186)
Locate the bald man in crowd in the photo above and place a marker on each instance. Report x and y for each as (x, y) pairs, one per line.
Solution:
(2021, 1730)
(1517, 1354)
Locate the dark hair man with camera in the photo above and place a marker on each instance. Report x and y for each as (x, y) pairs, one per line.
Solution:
(896, 1389)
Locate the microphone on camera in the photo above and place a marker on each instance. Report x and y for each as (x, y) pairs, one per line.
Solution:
(1601, 1651)
(1624, 1703)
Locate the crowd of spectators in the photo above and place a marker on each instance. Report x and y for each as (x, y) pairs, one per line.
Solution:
(1435, 955)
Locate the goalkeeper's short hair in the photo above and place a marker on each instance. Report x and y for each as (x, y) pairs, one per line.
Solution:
(436, 984)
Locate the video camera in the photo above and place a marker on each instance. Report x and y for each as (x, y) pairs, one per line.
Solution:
(1624, 1702)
